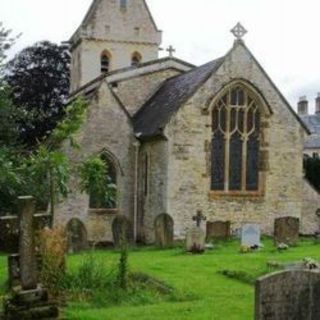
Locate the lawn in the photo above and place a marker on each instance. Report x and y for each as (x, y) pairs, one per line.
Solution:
(205, 294)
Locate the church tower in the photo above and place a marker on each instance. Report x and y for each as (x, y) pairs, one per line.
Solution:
(114, 34)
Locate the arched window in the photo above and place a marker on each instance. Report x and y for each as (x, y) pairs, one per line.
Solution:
(236, 118)
(108, 200)
(136, 59)
(105, 61)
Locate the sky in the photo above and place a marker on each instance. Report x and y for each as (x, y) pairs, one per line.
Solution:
(282, 34)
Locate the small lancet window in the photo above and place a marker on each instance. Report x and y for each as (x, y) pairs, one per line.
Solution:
(105, 62)
(136, 59)
(123, 4)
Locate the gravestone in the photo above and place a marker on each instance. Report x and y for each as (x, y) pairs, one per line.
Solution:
(286, 230)
(220, 230)
(77, 236)
(27, 300)
(250, 235)
(288, 295)
(196, 238)
(163, 226)
(122, 230)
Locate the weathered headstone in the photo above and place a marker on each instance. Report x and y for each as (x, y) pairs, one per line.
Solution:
(285, 295)
(121, 230)
(163, 226)
(77, 236)
(28, 260)
(219, 230)
(250, 235)
(286, 230)
(195, 240)
(29, 300)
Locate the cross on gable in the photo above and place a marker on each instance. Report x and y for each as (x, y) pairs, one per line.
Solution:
(239, 31)
(198, 218)
(171, 50)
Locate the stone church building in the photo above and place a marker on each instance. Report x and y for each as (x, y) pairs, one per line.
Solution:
(177, 138)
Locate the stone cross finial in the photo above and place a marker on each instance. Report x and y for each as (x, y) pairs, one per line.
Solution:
(239, 31)
(171, 51)
(199, 217)
(28, 261)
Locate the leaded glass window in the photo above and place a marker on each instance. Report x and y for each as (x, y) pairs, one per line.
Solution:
(235, 141)
(105, 62)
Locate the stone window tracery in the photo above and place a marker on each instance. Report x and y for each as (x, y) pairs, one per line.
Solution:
(236, 119)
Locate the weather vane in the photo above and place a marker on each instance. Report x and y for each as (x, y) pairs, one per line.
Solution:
(239, 31)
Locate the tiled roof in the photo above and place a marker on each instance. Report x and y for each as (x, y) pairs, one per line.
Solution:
(313, 123)
(154, 115)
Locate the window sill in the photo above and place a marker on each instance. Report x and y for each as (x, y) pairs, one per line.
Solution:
(236, 195)
(104, 211)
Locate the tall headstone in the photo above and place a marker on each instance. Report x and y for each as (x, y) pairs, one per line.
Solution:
(286, 230)
(122, 230)
(285, 295)
(163, 226)
(250, 235)
(27, 300)
(28, 260)
(77, 236)
(220, 230)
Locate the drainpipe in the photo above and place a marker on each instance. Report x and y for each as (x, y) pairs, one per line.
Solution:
(135, 209)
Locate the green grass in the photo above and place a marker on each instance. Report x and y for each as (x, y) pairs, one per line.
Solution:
(202, 292)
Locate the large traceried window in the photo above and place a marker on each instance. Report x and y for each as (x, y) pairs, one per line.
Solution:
(236, 119)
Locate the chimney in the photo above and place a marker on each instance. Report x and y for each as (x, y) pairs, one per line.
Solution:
(318, 104)
(303, 106)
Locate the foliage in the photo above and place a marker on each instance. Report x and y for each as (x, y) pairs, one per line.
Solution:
(11, 180)
(53, 248)
(39, 79)
(312, 171)
(122, 276)
(47, 174)
(6, 42)
(74, 118)
(94, 181)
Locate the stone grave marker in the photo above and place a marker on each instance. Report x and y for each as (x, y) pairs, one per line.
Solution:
(28, 300)
(163, 226)
(288, 295)
(250, 235)
(195, 239)
(286, 230)
(77, 236)
(121, 230)
(220, 230)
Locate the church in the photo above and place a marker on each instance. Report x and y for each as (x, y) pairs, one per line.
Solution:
(178, 138)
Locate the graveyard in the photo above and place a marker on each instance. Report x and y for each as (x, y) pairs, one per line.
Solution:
(217, 284)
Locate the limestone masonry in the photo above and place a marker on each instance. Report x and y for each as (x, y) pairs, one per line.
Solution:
(219, 138)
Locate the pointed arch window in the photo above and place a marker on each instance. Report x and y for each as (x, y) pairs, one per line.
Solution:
(108, 201)
(236, 119)
(105, 61)
(136, 59)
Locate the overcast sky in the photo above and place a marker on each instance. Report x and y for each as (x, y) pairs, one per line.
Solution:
(283, 34)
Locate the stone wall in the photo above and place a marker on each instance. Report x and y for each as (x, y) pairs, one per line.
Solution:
(310, 222)
(189, 135)
(107, 129)
(133, 92)
(154, 201)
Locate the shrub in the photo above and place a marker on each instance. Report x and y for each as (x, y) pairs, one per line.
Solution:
(53, 247)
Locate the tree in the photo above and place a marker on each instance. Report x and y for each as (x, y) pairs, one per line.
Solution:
(39, 80)
(312, 171)
(6, 43)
